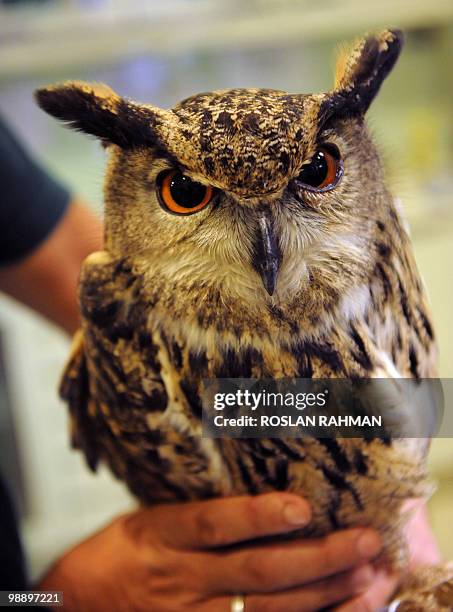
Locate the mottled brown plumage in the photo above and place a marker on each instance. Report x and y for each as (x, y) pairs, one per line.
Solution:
(173, 300)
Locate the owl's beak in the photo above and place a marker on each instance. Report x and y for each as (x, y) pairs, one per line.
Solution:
(267, 254)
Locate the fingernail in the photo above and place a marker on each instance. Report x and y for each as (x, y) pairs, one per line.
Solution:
(296, 514)
(369, 544)
(362, 578)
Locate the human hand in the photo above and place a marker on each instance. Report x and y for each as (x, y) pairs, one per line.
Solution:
(196, 556)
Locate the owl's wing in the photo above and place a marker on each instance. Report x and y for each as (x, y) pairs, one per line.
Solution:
(114, 384)
(74, 389)
(112, 379)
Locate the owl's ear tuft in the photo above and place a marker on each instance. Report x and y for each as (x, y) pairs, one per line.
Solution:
(360, 72)
(96, 109)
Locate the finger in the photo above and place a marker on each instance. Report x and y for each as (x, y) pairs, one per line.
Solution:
(266, 569)
(221, 522)
(309, 598)
(376, 596)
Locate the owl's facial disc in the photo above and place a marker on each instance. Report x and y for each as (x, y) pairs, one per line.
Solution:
(180, 195)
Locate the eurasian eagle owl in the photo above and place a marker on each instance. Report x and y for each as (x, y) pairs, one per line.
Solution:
(248, 233)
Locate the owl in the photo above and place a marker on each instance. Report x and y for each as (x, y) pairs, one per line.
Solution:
(249, 233)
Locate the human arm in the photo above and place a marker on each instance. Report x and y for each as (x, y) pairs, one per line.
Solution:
(46, 279)
(45, 233)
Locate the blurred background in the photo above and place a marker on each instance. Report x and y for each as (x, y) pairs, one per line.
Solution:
(161, 52)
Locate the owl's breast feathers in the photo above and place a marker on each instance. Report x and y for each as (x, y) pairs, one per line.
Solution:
(133, 387)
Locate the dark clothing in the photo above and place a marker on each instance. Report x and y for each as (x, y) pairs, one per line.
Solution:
(12, 566)
(31, 202)
(31, 205)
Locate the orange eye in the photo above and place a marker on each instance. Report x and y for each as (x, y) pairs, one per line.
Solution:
(323, 172)
(180, 195)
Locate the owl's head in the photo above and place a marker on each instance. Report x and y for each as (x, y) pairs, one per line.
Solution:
(259, 194)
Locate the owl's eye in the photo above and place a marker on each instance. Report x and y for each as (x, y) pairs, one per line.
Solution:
(323, 172)
(180, 195)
